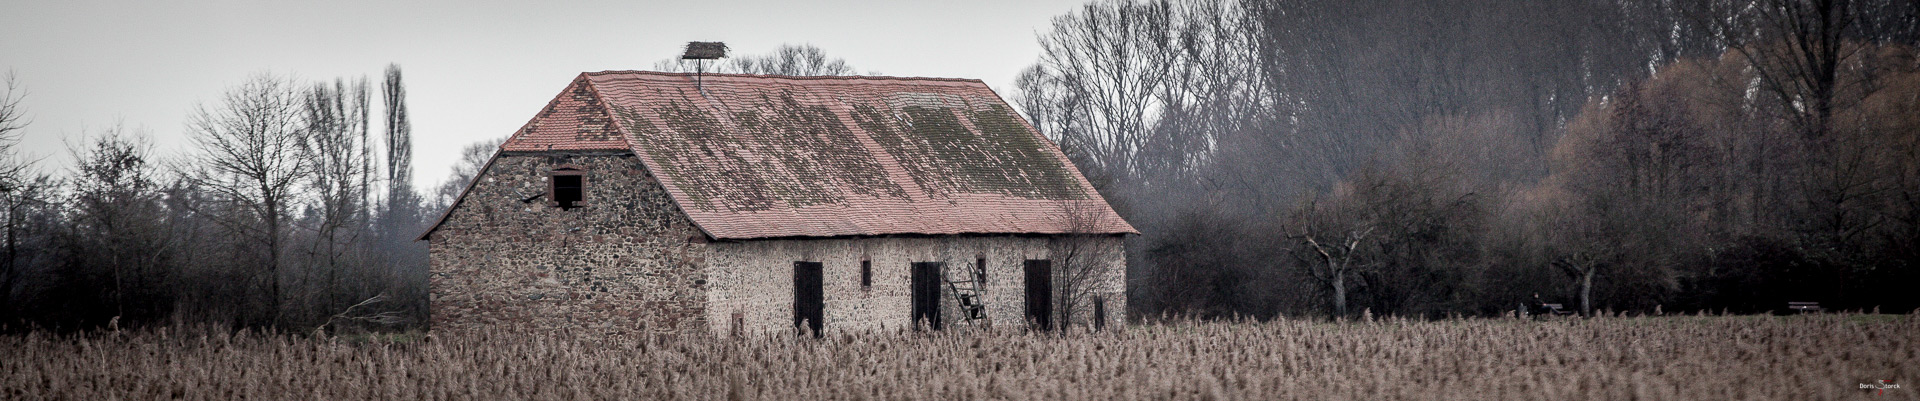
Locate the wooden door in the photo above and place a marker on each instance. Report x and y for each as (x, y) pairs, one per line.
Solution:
(1040, 294)
(809, 298)
(926, 294)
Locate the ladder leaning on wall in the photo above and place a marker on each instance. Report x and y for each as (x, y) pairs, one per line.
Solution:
(967, 294)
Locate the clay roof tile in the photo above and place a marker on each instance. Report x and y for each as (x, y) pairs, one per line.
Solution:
(759, 156)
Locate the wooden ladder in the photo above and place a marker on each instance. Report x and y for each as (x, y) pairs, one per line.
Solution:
(967, 294)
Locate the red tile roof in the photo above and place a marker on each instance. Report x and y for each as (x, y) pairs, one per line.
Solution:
(753, 156)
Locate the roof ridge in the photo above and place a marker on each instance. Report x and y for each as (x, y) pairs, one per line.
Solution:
(773, 76)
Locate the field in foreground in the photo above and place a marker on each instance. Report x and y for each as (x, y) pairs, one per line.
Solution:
(1750, 357)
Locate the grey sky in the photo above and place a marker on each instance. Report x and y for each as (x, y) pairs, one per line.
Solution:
(474, 70)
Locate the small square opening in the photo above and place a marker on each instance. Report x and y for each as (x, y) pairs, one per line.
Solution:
(566, 191)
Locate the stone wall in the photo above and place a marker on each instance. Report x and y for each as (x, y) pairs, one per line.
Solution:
(753, 280)
(627, 261)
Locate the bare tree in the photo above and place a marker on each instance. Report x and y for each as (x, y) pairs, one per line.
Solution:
(338, 151)
(1104, 64)
(1801, 54)
(17, 192)
(12, 116)
(401, 212)
(399, 135)
(472, 158)
(1638, 173)
(1083, 260)
(247, 151)
(1576, 247)
(118, 226)
(788, 59)
(1396, 239)
(33, 224)
(13, 122)
(1332, 243)
(1796, 47)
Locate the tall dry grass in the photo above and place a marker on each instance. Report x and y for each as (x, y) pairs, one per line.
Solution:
(1797, 358)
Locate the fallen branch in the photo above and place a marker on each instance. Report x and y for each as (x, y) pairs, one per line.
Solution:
(380, 318)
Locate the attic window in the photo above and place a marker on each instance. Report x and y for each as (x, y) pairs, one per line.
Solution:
(568, 187)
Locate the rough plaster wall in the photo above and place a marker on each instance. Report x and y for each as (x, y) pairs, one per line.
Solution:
(754, 279)
(626, 261)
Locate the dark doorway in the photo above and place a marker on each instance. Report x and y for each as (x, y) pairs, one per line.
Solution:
(926, 294)
(1099, 313)
(809, 301)
(1040, 294)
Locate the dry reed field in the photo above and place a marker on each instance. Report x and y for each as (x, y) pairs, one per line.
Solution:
(1689, 357)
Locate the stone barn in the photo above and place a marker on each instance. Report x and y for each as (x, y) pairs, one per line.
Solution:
(645, 202)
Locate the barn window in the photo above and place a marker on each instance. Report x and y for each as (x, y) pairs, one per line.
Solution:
(980, 270)
(568, 187)
(866, 275)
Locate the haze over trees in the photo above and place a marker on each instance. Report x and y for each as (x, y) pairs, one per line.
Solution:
(1438, 157)
(284, 212)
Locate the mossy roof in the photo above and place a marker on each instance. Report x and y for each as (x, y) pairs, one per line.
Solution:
(757, 156)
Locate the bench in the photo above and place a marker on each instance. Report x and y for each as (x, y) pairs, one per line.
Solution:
(1556, 309)
(1804, 307)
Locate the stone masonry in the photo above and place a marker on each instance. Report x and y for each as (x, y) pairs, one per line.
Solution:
(627, 261)
(754, 280)
(718, 204)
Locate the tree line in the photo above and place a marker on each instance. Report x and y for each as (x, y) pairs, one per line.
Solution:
(288, 210)
(1428, 158)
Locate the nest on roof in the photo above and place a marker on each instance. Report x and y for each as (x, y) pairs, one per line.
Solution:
(705, 51)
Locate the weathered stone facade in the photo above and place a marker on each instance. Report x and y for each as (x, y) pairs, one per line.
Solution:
(720, 203)
(629, 261)
(625, 261)
(754, 280)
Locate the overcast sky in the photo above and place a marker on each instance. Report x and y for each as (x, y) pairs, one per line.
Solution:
(474, 69)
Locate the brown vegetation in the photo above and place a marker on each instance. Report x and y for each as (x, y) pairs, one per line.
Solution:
(1684, 357)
